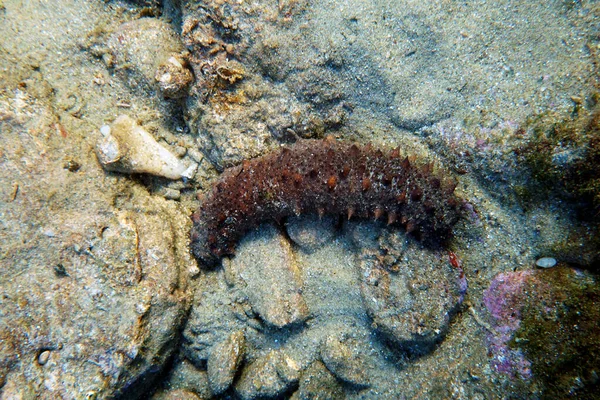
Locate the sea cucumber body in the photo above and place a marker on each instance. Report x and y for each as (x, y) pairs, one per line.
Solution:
(325, 177)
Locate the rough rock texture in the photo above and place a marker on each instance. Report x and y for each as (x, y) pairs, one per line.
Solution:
(133, 52)
(311, 232)
(544, 330)
(455, 82)
(93, 267)
(348, 323)
(317, 382)
(410, 292)
(90, 283)
(269, 277)
(224, 361)
(324, 177)
(268, 376)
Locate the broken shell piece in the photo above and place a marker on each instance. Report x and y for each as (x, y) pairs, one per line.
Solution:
(174, 78)
(127, 147)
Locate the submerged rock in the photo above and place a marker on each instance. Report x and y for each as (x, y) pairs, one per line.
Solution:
(268, 274)
(137, 49)
(411, 292)
(318, 383)
(269, 376)
(343, 359)
(224, 361)
(546, 326)
(312, 231)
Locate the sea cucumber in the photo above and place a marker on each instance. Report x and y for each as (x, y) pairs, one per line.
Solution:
(325, 177)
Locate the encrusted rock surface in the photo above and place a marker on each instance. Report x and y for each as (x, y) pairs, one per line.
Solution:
(95, 273)
(224, 361)
(101, 288)
(410, 292)
(342, 359)
(133, 50)
(268, 376)
(317, 382)
(268, 274)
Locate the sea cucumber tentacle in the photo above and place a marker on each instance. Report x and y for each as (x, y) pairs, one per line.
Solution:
(324, 176)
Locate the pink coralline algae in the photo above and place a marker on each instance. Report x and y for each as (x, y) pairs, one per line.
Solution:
(503, 300)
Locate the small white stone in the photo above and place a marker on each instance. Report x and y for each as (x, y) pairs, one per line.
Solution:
(43, 357)
(105, 130)
(546, 262)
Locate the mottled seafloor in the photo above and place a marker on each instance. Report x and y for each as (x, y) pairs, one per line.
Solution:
(101, 298)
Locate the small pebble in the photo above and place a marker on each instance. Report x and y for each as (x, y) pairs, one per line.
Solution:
(224, 360)
(172, 194)
(546, 262)
(43, 357)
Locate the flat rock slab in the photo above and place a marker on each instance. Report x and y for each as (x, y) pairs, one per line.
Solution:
(410, 292)
(268, 274)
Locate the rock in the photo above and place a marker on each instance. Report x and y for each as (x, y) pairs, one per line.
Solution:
(503, 300)
(173, 77)
(137, 49)
(268, 376)
(216, 314)
(318, 383)
(311, 231)
(177, 394)
(410, 292)
(268, 275)
(544, 329)
(101, 283)
(343, 359)
(43, 357)
(224, 361)
(364, 234)
(185, 376)
(126, 147)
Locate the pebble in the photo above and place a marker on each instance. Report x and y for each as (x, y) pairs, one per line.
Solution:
(318, 383)
(546, 262)
(269, 376)
(224, 361)
(137, 49)
(343, 359)
(364, 234)
(411, 293)
(177, 394)
(43, 357)
(172, 194)
(173, 77)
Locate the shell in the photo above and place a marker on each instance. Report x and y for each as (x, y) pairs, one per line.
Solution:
(127, 147)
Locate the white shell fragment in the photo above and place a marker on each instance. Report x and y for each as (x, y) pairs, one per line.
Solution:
(127, 147)
(546, 262)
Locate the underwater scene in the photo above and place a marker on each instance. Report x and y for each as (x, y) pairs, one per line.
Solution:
(299, 199)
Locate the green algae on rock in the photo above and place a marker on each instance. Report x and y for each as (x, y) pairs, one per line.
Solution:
(560, 332)
(565, 152)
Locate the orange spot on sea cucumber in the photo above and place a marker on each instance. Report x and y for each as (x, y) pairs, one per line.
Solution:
(332, 182)
(366, 184)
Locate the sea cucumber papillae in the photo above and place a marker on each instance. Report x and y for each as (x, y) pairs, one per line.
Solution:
(325, 177)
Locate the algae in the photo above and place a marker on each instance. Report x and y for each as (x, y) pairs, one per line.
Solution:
(560, 333)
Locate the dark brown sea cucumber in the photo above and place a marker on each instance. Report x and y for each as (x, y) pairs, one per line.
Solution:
(325, 177)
